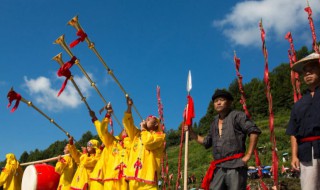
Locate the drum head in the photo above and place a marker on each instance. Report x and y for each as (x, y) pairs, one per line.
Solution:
(29, 178)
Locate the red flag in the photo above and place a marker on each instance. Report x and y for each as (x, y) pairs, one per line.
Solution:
(82, 36)
(12, 95)
(189, 111)
(64, 71)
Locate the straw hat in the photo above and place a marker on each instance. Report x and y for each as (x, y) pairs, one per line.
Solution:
(298, 66)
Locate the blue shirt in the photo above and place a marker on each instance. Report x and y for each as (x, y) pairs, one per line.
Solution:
(305, 122)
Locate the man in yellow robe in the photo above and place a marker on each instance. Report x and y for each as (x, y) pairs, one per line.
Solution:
(147, 149)
(11, 175)
(66, 168)
(116, 150)
(86, 161)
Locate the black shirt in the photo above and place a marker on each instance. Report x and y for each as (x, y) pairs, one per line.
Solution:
(305, 122)
(235, 128)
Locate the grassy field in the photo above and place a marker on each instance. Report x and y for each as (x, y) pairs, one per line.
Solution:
(199, 157)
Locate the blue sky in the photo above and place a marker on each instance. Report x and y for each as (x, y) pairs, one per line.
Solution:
(146, 43)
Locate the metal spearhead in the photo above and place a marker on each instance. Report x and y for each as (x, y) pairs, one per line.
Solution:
(189, 82)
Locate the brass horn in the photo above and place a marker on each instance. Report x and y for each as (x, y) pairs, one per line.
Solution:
(58, 59)
(75, 23)
(61, 41)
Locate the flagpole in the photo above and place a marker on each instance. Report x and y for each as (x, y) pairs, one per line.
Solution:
(185, 178)
(186, 149)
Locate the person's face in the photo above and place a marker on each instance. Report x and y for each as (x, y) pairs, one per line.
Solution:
(152, 123)
(311, 73)
(221, 104)
(90, 148)
(66, 150)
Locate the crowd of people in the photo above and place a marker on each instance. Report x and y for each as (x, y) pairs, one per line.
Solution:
(131, 160)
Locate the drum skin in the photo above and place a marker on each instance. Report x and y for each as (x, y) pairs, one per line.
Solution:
(40, 177)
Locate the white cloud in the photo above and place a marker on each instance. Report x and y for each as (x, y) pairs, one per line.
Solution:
(278, 17)
(44, 95)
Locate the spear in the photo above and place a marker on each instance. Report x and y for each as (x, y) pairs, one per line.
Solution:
(84, 37)
(58, 58)
(12, 95)
(189, 114)
(60, 41)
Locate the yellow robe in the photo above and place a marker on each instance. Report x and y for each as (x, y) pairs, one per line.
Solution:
(146, 152)
(117, 153)
(85, 164)
(66, 169)
(11, 175)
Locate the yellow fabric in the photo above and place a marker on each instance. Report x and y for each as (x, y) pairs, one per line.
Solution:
(146, 146)
(100, 168)
(116, 184)
(11, 175)
(116, 157)
(141, 186)
(66, 169)
(85, 164)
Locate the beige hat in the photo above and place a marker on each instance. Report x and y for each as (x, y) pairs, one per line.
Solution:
(298, 66)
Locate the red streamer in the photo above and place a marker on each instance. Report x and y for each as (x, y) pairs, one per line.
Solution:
(189, 111)
(64, 71)
(164, 159)
(82, 36)
(271, 115)
(314, 37)
(244, 107)
(12, 95)
(295, 81)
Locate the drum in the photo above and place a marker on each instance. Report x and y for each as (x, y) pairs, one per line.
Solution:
(40, 177)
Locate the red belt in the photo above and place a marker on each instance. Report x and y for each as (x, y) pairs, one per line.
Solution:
(209, 175)
(309, 139)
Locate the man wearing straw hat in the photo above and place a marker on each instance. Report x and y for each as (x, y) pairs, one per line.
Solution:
(304, 125)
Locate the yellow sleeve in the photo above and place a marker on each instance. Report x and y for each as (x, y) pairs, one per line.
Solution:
(4, 175)
(152, 141)
(60, 167)
(106, 137)
(97, 124)
(75, 154)
(90, 161)
(128, 124)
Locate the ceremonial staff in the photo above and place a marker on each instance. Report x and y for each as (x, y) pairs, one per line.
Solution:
(60, 41)
(189, 114)
(271, 114)
(58, 58)
(12, 95)
(83, 36)
(244, 107)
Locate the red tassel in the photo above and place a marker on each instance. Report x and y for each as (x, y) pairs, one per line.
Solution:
(189, 111)
(64, 71)
(82, 36)
(12, 95)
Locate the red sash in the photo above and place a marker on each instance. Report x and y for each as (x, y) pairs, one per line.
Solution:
(309, 139)
(209, 175)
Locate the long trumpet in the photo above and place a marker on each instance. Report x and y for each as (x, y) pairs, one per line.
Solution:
(75, 23)
(58, 58)
(43, 161)
(60, 41)
(30, 104)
